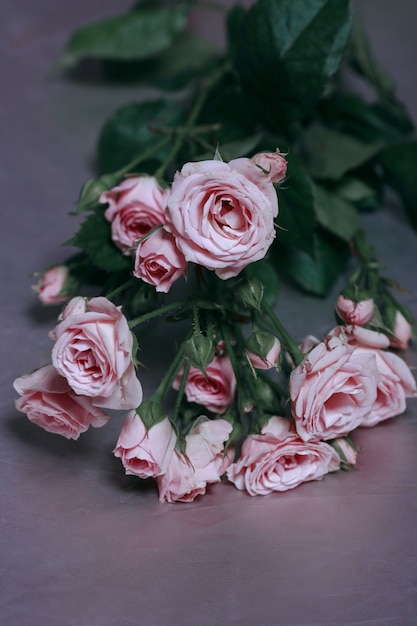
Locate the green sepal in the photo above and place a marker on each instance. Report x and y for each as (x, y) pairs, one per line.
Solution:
(89, 198)
(260, 342)
(265, 271)
(199, 350)
(151, 412)
(249, 291)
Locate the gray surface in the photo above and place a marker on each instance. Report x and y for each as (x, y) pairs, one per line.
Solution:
(78, 549)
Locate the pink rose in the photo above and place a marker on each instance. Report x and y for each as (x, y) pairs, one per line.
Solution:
(204, 462)
(273, 165)
(158, 261)
(93, 351)
(215, 389)
(351, 312)
(145, 453)
(278, 459)
(49, 402)
(402, 332)
(51, 287)
(220, 219)
(395, 383)
(135, 206)
(333, 389)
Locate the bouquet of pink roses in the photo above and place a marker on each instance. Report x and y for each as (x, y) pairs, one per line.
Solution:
(202, 200)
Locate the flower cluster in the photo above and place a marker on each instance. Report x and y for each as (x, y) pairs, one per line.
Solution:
(173, 229)
(220, 217)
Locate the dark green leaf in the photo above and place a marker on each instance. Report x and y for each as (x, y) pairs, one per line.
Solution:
(235, 149)
(297, 208)
(265, 271)
(287, 51)
(317, 275)
(335, 214)
(229, 107)
(233, 24)
(380, 121)
(172, 68)
(128, 133)
(399, 162)
(358, 192)
(330, 154)
(133, 36)
(94, 237)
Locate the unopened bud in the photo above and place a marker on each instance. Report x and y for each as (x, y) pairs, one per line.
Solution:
(250, 291)
(346, 451)
(56, 285)
(273, 164)
(199, 350)
(151, 412)
(357, 312)
(401, 333)
(91, 191)
(263, 350)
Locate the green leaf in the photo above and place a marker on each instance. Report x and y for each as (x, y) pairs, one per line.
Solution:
(380, 121)
(172, 69)
(317, 275)
(335, 214)
(297, 214)
(287, 51)
(358, 192)
(366, 65)
(235, 149)
(94, 237)
(330, 154)
(128, 133)
(179, 63)
(265, 272)
(399, 162)
(133, 36)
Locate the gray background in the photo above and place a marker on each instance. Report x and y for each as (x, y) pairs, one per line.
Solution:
(78, 549)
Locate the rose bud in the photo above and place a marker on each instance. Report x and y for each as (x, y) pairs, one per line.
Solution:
(401, 334)
(199, 350)
(250, 291)
(263, 350)
(55, 285)
(273, 165)
(346, 451)
(355, 313)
